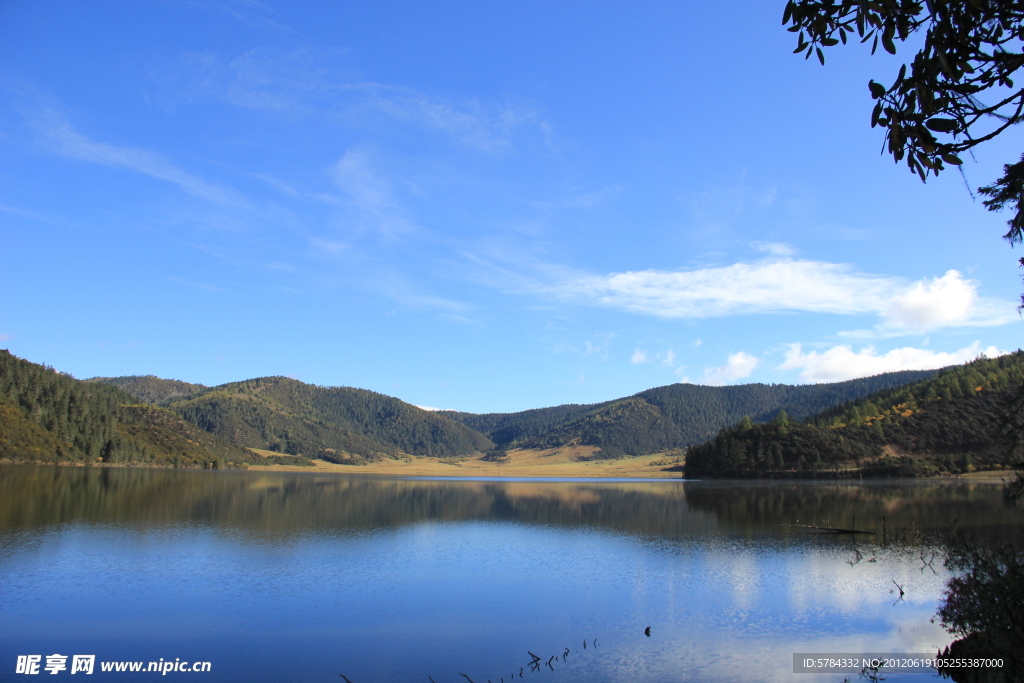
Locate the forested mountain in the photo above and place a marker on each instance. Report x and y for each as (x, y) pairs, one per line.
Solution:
(151, 388)
(669, 417)
(46, 416)
(104, 418)
(948, 424)
(333, 423)
(507, 429)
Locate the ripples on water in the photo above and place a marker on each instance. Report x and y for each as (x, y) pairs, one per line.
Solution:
(288, 577)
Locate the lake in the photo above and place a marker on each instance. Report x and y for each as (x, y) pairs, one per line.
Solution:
(302, 577)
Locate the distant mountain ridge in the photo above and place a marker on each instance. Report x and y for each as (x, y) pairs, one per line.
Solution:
(670, 417)
(150, 388)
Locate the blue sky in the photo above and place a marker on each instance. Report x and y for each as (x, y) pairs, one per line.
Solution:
(480, 206)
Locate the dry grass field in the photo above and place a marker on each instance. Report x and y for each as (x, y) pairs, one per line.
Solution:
(555, 462)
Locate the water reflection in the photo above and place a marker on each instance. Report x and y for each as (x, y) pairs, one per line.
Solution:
(37, 496)
(301, 577)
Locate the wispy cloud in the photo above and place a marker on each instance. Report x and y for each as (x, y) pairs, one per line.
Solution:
(278, 185)
(24, 213)
(599, 350)
(248, 12)
(371, 195)
(716, 208)
(196, 285)
(777, 285)
(775, 248)
(487, 129)
(63, 139)
(596, 348)
(641, 356)
(738, 366)
(307, 83)
(841, 363)
(582, 200)
(396, 287)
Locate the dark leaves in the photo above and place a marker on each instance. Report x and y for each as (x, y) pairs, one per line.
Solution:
(959, 77)
(941, 125)
(887, 43)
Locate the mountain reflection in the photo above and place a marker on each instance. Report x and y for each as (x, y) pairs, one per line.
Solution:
(903, 508)
(33, 496)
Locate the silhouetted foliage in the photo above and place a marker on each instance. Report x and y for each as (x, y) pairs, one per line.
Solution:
(984, 603)
(959, 80)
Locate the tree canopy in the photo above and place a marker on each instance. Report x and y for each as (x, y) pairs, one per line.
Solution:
(958, 91)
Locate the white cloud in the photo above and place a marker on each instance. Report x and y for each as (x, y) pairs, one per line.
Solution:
(430, 408)
(842, 363)
(947, 301)
(639, 356)
(65, 140)
(761, 287)
(738, 366)
(670, 357)
(777, 285)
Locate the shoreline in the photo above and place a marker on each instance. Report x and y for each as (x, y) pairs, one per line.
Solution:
(650, 467)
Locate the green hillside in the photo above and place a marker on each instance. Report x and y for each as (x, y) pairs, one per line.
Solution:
(21, 439)
(507, 429)
(47, 416)
(669, 417)
(951, 423)
(151, 388)
(333, 423)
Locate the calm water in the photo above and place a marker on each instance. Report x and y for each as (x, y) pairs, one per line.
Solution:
(300, 577)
